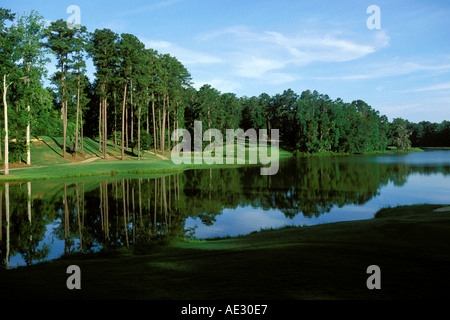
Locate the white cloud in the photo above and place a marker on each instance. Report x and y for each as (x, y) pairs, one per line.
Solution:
(185, 56)
(305, 49)
(256, 67)
(222, 85)
(256, 55)
(388, 69)
(436, 87)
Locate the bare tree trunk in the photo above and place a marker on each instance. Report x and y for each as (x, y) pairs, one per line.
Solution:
(5, 88)
(126, 128)
(163, 127)
(81, 133)
(105, 128)
(139, 133)
(100, 115)
(131, 111)
(115, 119)
(64, 128)
(168, 130)
(78, 114)
(154, 122)
(160, 130)
(28, 138)
(148, 121)
(123, 120)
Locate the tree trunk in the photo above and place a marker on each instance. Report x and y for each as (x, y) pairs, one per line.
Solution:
(78, 114)
(81, 133)
(160, 129)
(163, 127)
(64, 128)
(105, 128)
(131, 111)
(100, 125)
(28, 140)
(115, 119)
(154, 122)
(148, 121)
(123, 120)
(126, 128)
(168, 130)
(139, 133)
(5, 88)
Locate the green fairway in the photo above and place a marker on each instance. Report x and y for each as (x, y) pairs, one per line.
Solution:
(411, 245)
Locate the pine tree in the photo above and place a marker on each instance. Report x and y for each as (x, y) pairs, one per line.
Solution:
(60, 39)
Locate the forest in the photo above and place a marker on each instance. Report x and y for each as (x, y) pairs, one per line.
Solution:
(139, 96)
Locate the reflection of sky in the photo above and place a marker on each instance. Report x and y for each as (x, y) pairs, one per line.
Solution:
(419, 188)
(432, 157)
(56, 245)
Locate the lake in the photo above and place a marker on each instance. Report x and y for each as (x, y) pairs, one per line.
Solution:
(48, 219)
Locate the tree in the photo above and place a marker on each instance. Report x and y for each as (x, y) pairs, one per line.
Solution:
(399, 134)
(104, 52)
(60, 39)
(32, 65)
(9, 55)
(130, 51)
(80, 47)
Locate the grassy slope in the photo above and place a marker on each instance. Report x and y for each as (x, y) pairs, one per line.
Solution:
(410, 244)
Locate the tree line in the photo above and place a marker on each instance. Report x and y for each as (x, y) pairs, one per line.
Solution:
(139, 97)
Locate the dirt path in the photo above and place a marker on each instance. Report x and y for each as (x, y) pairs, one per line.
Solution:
(158, 155)
(84, 161)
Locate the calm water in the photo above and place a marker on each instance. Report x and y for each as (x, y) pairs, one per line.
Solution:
(48, 219)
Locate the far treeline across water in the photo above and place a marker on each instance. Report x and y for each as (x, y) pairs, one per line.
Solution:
(139, 96)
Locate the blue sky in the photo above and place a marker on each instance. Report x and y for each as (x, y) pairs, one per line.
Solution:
(251, 47)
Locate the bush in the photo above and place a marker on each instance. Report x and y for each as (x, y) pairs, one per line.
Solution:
(17, 150)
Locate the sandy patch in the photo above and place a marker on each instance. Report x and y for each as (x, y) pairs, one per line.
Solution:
(442, 209)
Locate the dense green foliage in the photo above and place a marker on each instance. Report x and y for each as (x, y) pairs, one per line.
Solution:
(428, 134)
(138, 97)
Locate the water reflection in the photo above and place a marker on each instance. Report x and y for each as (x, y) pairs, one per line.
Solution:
(42, 220)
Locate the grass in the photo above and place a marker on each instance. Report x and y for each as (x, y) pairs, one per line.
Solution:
(410, 244)
(48, 162)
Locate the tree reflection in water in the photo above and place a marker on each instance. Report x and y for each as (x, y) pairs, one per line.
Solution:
(140, 212)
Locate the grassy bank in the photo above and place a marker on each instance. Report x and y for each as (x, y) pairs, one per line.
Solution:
(48, 162)
(411, 245)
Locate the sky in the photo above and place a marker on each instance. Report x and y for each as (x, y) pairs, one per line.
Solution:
(396, 58)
